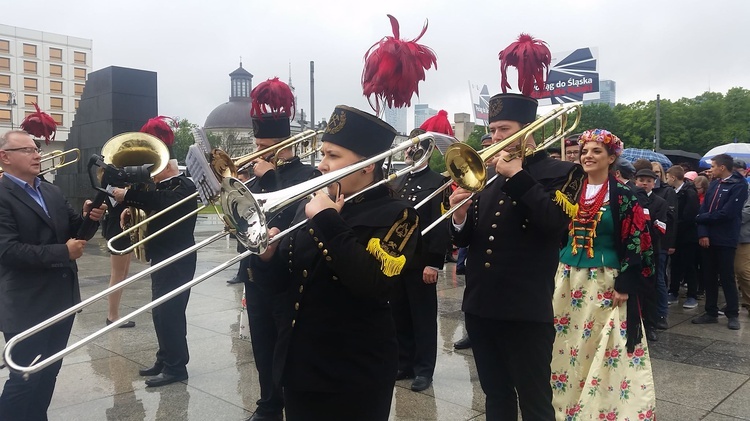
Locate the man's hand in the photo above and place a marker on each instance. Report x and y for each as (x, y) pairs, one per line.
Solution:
(93, 214)
(321, 201)
(703, 242)
(619, 298)
(459, 216)
(268, 254)
(261, 166)
(506, 166)
(429, 275)
(75, 248)
(119, 194)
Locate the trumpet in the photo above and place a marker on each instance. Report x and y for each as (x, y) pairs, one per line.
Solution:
(61, 156)
(467, 168)
(222, 166)
(248, 215)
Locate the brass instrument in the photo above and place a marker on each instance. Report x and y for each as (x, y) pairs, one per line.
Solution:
(468, 169)
(59, 155)
(222, 166)
(246, 214)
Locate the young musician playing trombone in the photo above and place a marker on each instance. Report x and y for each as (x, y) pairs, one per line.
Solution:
(513, 229)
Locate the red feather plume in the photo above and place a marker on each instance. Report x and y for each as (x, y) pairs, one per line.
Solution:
(532, 59)
(40, 124)
(272, 96)
(438, 123)
(158, 127)
(394, 68)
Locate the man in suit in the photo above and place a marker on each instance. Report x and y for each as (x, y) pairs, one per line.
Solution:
(38, 272)
(169, 317)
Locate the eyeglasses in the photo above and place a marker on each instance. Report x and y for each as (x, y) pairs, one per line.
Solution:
(28, 150)
(572, 153)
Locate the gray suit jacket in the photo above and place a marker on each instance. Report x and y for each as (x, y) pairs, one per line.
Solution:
(37, 277)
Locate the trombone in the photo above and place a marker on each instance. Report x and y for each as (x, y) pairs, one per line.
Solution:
(222, 166)
(247, 217)
(61, 156)
(467, 168)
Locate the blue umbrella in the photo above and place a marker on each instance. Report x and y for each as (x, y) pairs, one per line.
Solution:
(735, 150)
(632, 155)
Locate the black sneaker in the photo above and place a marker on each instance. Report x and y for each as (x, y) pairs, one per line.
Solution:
(722, 310)
(705, 319)
(661, 323)
(734, 323)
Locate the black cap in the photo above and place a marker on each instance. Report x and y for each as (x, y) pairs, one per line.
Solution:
(646, 173)
(271, 126)
(739, 164)
(625, 167)
(358, 131)
(514, 107)
(486, 137)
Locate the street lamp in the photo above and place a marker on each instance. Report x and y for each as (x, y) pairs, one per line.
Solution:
(12, 103)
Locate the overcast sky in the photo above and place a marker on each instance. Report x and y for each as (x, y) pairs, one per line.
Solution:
(676, 48)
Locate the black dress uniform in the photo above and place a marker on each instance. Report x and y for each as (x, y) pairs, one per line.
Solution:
(514, 229)
(169, 318)
(260, 297)
(413, 302)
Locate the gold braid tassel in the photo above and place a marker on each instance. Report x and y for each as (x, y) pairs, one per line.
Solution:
(389, 265)
(569, 208)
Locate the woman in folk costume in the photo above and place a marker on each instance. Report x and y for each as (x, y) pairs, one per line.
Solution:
(601, 367)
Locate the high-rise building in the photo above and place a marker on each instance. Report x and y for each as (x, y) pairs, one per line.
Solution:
(396, 117)
(421, 113)
(44, 68)
(607, 91)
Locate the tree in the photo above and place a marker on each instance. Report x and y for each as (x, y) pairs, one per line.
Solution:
(598, 116)
(183, 138)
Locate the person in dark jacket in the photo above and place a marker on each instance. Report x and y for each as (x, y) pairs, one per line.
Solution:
(686, 242)
(719, 221)
(337, 353)
(414, 299)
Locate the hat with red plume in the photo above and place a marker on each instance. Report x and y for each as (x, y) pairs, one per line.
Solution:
(159, 127)
(272, 107)
(532, 58)
(40, 124)
(394, 68)
(438, 123)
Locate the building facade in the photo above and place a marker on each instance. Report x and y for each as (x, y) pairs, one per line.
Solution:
(421, 113)
(43, 68)
(607, 93)
(396, 117)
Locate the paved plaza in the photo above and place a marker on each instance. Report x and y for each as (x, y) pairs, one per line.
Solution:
(702, 372)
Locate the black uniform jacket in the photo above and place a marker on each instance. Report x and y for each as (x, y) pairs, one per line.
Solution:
(414, 187)
(688, 207)
(666, 192)
(168, 192)
(657, 210)
(337, 333)
(514, 229)
(37, 277)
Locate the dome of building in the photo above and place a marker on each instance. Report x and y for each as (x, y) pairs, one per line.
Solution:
(234, 114)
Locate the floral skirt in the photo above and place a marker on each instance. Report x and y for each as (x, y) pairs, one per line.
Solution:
(593, 375)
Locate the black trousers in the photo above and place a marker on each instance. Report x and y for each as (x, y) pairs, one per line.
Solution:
(718, 262)
(683, 268)
(513, 362)
(263, 334)
(360, 405)
(29, 399)
(414, 308)
(169, 318)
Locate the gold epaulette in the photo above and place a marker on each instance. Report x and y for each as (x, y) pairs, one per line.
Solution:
(389, 250)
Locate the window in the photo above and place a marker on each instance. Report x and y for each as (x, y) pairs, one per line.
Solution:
(58, 118)
(76, 104)
(4, 81)
(29, 50)
(29, 67)
(5, 116)
(80, 74)
(79, 57)
(55, 87)
(55, 70)
(55, 54)
(56, 103)
(30, 100)
(4, 46)
(4, 98)
(78, 89)
(4, 63)
(30, 84)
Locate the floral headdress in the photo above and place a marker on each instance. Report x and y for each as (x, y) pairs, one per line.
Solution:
(605, 137)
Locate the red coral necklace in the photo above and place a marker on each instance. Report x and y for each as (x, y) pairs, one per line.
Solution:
(588, 208)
